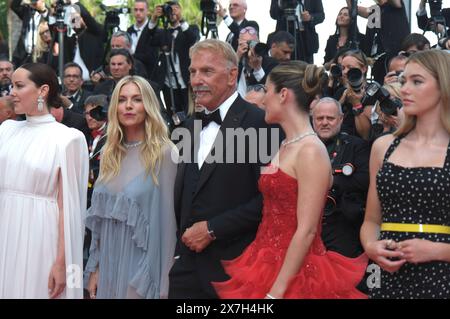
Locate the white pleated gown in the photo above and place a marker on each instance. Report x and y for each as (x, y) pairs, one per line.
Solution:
(32, 155)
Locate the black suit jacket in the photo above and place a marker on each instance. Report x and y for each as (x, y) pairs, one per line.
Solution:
(145, 51)
(78, 100)
(341, 226)
(75, 120)
(235, 29)
(226, 195)
(25, 13)
(310, 36)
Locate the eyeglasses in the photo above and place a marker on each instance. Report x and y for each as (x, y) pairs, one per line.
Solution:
(250, 30)
(44, 32)
(257, 88)
(71, 76)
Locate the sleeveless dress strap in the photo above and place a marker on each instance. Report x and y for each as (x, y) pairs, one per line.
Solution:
(447, 158)
(391, 148)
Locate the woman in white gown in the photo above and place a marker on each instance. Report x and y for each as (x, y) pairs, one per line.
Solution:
(132, 215)
(43, 183)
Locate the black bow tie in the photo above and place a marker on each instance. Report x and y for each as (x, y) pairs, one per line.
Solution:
(208, 118)
(172, 30)
(133, 31)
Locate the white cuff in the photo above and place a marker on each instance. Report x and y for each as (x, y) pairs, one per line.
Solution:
(259, 74)
(228, 20)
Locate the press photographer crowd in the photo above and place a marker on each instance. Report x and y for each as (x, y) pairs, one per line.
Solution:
(119, 178)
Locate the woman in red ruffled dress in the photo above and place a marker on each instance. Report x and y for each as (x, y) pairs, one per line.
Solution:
(287, 259)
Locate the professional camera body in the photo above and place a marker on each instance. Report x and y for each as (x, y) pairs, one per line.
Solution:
(375, 92)
(112, 18)
(208, 6)
(287, 4)
(259, 48)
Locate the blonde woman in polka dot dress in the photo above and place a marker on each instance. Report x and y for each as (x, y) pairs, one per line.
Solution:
(406, 230)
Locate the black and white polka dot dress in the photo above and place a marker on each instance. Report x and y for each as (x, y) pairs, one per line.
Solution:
(418, 195)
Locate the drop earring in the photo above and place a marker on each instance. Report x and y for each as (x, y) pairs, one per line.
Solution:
(40, 104)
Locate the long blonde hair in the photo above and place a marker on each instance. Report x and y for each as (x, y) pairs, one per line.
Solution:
(436, 62)
(155, 139)
(41, 46)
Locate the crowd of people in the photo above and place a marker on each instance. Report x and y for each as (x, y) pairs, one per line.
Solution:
(162, 165)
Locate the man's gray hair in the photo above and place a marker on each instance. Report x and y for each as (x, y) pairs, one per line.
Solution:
(330, 100)
(124, 34)
(218, 47)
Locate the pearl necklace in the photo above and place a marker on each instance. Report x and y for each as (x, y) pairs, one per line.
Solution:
(297, 138)
(132, 144)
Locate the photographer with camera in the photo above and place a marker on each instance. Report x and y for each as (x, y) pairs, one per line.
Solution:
(31, 13)
(85, 46)
(254, 63)
(387, 112)
(174, 42)
(349, 156)
(439, 20)
(236, 20)
(307, 14)
(384, 34)
(354, 66)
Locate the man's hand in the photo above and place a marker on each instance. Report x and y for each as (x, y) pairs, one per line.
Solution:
(157, 13)
(242, 48)
(196, 237)
(391, 77)
(254, 61)
(306, 17)
(221, 11)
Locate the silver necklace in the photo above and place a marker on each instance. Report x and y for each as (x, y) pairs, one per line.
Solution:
(132, 144)
(297, 138)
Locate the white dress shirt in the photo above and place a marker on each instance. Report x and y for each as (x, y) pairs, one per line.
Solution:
(209, 133)
(136, 36)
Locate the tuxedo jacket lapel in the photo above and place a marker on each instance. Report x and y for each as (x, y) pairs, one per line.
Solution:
(232, 120)
(181, 169)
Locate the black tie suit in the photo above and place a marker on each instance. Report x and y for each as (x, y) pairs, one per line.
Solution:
(224, 194)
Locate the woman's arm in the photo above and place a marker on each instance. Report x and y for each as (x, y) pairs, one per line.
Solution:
(377, 250)
(57, 278)
(313, 173)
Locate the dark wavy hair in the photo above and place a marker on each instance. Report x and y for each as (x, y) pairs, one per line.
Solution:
(42, 74)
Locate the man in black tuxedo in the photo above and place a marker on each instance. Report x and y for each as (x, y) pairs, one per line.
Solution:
(309, 13)
(174, 41)
(236, 21)
(31, 15)
(141, 38)
(217, 202)
(89, 41)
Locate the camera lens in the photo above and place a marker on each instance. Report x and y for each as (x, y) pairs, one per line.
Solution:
(355, 79)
